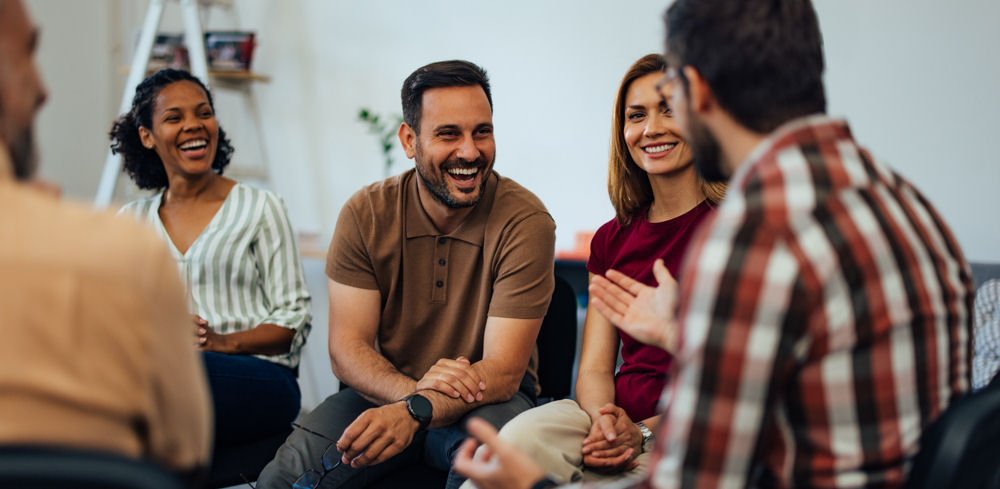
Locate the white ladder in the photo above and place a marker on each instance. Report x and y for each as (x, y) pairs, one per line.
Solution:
(195, 41)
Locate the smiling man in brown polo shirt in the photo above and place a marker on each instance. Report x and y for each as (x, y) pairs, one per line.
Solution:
(439, 279)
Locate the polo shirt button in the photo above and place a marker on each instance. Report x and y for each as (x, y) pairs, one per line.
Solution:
(442, 240)
(440, 283)
(441, 262)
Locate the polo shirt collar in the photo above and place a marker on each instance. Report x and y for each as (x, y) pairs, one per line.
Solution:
(472, 230)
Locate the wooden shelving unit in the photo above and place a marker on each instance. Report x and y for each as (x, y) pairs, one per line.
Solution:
(222, 75)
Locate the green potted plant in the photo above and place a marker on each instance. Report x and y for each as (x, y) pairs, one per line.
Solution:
(386, 132)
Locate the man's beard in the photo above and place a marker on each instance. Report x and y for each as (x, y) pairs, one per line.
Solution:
(439, 188)
(23, 155)
(707, 154)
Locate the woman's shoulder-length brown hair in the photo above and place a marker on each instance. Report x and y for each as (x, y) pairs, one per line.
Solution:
(628, 185)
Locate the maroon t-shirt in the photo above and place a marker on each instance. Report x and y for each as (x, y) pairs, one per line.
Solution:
(632, 251)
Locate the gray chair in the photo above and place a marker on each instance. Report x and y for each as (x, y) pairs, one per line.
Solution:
(982, 272)
(960, 448)
(557, 344)
(59, 468)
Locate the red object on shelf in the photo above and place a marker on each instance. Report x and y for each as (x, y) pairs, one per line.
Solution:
(581, 248)
(246, 54)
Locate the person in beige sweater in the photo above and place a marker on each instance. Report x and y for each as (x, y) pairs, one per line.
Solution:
(95, 354)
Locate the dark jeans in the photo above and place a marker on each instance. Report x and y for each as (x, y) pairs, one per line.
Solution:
(253, 398)
(303, 450)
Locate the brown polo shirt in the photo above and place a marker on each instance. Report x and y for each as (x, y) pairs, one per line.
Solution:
(438, 289)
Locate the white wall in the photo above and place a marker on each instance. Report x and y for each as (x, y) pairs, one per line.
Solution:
(76, 58)
(554, 69)
(917, 79)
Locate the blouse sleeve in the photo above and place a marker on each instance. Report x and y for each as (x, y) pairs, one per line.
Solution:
(284, 283)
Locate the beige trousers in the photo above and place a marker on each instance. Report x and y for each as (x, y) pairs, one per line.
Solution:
(552, 435)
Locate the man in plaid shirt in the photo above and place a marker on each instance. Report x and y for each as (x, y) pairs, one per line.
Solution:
(822, 319)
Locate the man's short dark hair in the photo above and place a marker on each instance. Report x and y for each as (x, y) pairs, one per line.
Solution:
(762, 59)
(454, 73)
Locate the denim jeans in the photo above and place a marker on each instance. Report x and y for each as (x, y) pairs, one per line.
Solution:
(252, 398)
(303, 450)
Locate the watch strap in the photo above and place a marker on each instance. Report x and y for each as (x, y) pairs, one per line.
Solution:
(647, 436)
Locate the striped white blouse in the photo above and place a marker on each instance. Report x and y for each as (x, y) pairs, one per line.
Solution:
(243, 270)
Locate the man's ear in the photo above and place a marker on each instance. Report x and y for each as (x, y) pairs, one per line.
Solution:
(408, 138)
(700, 97)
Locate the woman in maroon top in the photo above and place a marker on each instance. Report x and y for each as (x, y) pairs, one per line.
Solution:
(659, 202)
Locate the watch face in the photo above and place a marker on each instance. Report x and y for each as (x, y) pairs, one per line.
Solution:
(647, 445)
(420, 407)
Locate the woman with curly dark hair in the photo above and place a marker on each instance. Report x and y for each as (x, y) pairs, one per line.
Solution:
(235, 250)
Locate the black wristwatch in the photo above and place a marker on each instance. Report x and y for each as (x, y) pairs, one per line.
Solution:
(421, 409)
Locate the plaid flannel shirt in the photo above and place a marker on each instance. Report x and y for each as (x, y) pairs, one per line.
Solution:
(825, 317)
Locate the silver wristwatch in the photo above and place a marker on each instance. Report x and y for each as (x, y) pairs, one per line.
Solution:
(647, 437)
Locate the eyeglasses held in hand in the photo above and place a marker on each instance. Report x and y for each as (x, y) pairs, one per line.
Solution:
(310, 479)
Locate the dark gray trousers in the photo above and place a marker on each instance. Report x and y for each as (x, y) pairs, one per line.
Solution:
(303, 450)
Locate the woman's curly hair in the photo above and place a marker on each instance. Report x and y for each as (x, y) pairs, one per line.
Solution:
(144, 165)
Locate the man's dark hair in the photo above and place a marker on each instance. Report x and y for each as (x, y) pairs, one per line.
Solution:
(144, 165)
(454, 73)
(762, 59)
